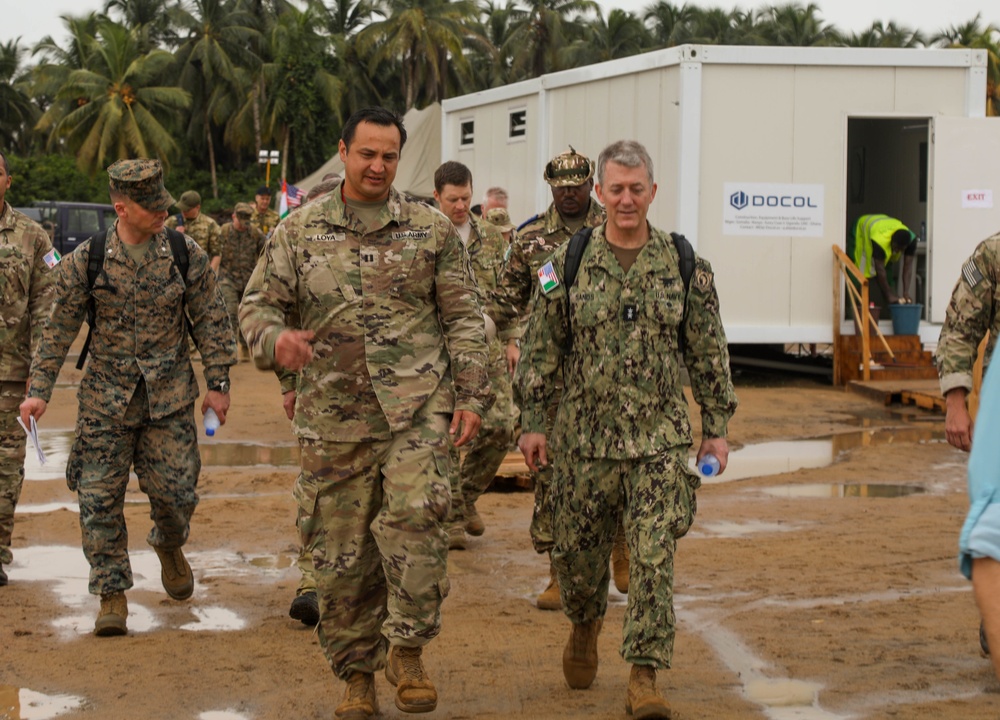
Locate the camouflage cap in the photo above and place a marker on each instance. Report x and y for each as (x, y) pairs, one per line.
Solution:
(244, 210)
(141, 181)
(501, 218)
(568, 169)
(190, 199)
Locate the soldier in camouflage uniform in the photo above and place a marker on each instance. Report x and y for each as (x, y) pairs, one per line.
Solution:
(264, 218)
(973, 311)
(195, 224)
(570, 175)
(486, 246)
(26, 288)
(237, 250)
(621, 438)
(391, 360)
(138, 392)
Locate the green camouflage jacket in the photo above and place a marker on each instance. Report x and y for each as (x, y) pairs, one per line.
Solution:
(203, 230)
(27, 284)
(265, 221)
(387, 306)
(238, 251)
(531, 248)
(139, 331)
(973, 310)
(623, 395)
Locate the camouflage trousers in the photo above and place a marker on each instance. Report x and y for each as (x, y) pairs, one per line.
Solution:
(233, 294)
(541, 514)
(482, 458)
(307, 577)
(655, 497)
(381, 557)
(12, 444)
(164, 453)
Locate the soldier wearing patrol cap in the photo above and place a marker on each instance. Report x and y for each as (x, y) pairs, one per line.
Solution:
(571, 176)
(138, 391)
(621, 437)
(194, 223)
(239, 245)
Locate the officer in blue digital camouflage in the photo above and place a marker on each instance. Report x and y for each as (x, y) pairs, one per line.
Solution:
(973, 311)
(138, 391)
(390, 355)
(26, 288)
(620, 442)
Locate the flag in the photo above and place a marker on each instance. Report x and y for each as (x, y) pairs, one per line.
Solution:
(291, 197)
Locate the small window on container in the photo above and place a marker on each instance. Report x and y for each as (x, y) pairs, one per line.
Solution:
(467, 133)
(518, 124)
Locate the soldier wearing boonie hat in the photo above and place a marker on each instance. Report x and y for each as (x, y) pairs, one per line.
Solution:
(193, 222)
(501, 218)
(138, 392)
(571, 177)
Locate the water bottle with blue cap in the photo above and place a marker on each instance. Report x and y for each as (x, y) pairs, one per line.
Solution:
(709, 465)
(211, 422)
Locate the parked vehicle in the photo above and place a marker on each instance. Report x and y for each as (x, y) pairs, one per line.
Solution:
(70, 223)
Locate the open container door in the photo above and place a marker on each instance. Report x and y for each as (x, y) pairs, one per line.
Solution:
(963, 199)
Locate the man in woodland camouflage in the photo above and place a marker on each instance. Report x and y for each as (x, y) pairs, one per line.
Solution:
(391, 360)
(26, 287)
(621, 437)
(138, 391)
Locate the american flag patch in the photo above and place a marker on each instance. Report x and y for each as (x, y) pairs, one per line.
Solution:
(971, 273)
(547, 277)
(52, 258)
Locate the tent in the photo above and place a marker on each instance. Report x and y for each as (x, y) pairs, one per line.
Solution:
(420, 158)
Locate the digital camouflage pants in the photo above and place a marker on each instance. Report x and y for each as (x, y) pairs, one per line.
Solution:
(381, 559)
(164, 453)
(655, 497)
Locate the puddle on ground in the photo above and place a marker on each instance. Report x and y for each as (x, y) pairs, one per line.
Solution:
(222, 715)
(23, 704)
(65, 571)
(728, 529)
(833, 490)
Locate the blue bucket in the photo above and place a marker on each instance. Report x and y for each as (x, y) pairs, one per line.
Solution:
(906, 318)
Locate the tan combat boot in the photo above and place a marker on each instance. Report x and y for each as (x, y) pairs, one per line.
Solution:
(176, 575)
(456, 536)
(474, 524)
(619, 560)
(644, 701)
(580, 655)
(360, 700)
(415, 692)
(549, 599)
(111, 618)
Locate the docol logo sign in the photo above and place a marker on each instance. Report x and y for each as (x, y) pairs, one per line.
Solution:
(739, 200)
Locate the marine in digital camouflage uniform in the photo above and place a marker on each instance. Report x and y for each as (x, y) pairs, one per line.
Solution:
(194, 223)
(621, 437)
(237, 250)
(474, 472)
(570, 174)
(973, 311)
(138, 391)
(26, 288)
(264, 218)
(390, 350)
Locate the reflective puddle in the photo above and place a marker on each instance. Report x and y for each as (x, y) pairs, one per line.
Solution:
(831, 490)
(222, 715)
(23, 704)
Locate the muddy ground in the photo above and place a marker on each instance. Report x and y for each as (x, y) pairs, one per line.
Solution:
(819, 583)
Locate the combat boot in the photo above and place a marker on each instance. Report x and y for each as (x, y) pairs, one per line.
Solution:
(111, 618)
(644, 701)
(3, 577)
(360, 699)
(580, 655)
(176, 575)
(549, 599)
(415, 692)
(474, 524)
(620, 561)
(305, 609)
(456, 536)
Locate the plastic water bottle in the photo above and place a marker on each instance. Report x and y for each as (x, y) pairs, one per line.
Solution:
(708, 466)
(212, 422)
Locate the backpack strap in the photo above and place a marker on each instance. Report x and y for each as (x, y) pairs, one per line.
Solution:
(574, 256)
(686, 261)
(95, 263)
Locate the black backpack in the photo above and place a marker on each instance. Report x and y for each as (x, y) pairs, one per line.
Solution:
(95, 264)
(574, 255)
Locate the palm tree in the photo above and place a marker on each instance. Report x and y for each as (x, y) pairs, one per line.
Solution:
(976, 36)
(426, 38)
(669, 24)
(798, 26)
(716, 26)
(492, 62)
(146, 19)
(17, 112)
(215, 48)
(119, 112)
(543, 32)
(889, 35)
(621, 35)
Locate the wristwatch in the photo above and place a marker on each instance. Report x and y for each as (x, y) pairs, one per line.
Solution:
(222, 387)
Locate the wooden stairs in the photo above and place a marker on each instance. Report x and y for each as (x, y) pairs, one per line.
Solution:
(911, 361)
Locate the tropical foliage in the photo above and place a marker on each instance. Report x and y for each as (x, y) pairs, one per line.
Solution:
(205, 85)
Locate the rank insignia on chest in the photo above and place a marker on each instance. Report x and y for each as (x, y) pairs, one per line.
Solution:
(629, 313)
(547, 278)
